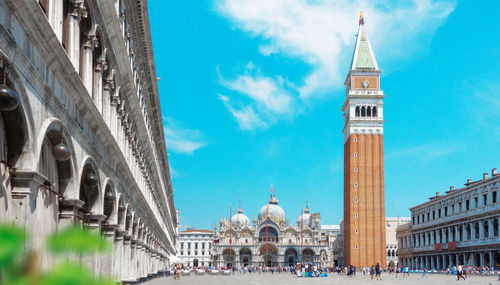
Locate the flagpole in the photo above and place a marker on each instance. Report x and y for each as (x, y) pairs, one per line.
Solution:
(301, 234)
(230, 232)
(267, 216)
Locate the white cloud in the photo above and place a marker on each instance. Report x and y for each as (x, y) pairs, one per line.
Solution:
(246, 116)
(182, 140)
(321, 32)
(262, 101)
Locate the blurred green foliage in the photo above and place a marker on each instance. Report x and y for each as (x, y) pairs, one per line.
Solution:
(17, 267)
(11, 244)
(74, 239)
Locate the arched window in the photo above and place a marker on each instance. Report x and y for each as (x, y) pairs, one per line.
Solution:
(363, 111)
(369, 111)
(357, 111)
(374, 112)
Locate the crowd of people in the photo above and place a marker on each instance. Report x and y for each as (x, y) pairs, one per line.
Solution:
(310, 270)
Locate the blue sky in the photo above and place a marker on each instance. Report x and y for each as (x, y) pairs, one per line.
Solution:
(251, 92)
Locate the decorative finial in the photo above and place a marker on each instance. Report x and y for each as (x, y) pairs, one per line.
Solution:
(361, 18)
(273, 191)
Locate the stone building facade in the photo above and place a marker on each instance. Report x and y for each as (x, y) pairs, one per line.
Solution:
(329, 237)
(194, 247)
(391, 225)
(364, 193)
(81, 139)
(461, 227)
(239, 243)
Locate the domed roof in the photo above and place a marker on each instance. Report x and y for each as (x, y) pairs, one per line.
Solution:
(273, 210)
(240, 219)
(305, 218)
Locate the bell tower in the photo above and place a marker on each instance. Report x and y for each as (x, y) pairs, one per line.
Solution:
(364, 198)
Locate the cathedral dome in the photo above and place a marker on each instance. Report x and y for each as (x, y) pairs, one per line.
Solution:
(240, 219)
(273, 210)
(305, 218)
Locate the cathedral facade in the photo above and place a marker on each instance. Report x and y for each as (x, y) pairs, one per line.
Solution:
(269, 240)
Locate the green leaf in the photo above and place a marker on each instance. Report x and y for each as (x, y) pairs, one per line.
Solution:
(75, 239)
(11, 244)
(69, 274)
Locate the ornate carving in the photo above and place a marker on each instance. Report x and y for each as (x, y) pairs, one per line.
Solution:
(101, 65)
(90, 42)
(78, 9)
(109, 84)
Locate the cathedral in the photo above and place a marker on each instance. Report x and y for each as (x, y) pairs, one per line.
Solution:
(268, 240)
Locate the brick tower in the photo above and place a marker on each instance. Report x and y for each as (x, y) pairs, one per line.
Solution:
(364, 202)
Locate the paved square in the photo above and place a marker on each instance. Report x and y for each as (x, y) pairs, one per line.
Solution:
(287, 279)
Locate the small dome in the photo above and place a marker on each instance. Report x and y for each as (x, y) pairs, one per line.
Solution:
(305, 218)
(240, 219)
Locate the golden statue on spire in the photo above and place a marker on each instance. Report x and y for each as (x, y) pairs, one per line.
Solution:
(361, 18)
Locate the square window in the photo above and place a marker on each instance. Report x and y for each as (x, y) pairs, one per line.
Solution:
(494, 196)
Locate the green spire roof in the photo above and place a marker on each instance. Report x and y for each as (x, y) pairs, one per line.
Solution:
(363, 54)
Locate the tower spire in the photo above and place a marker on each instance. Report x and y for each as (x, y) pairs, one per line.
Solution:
(363, 57)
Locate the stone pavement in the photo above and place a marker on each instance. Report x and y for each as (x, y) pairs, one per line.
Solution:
(287, 279)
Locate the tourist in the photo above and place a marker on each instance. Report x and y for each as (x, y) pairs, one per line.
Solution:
(424, 274)
(377, 272)
(460, 272)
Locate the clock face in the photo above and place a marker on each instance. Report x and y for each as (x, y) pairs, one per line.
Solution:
(365, 84)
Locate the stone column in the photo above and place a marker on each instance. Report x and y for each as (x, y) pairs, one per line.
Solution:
(472, 231)
(86, 61)
(464, 232)
(481, 259)
(115, 101)
(127, 258)
(119, 259)
(433, 265)
(69, 212)
(97, 86)
(25, 186)
(481, 229)
(107, 259)
(457, 233)
(77, 11)
(490, 228)
(438, 261)
(107, 88)
(92, 222)
(133, 276)
(492, 262)
(56, 18)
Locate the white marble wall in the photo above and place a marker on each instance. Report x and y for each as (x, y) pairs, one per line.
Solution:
(82, 94)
